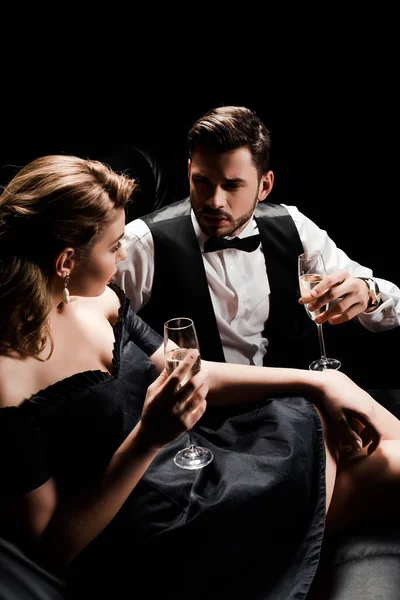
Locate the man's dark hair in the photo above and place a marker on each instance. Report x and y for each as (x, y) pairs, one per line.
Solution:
(228, 128)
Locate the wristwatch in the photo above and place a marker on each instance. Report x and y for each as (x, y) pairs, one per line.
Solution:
(373, 293)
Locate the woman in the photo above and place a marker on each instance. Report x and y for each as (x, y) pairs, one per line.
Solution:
(90, 422)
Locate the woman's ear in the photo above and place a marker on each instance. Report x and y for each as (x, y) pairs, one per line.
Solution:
(64, 262)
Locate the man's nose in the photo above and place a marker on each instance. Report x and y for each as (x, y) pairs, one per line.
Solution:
(217, 198)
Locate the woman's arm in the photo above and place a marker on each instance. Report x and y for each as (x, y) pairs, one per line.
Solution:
(235, 384)
(335, 393)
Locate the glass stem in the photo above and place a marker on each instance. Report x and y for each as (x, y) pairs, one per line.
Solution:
(192, 448)
(191, 440)
(321, 342)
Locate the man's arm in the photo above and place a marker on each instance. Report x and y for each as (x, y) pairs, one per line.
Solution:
(346, 283)
(135, 274)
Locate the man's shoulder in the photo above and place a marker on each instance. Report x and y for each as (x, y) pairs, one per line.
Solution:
(176, 209)
(278, 220)
(271, 209)
(138, 229)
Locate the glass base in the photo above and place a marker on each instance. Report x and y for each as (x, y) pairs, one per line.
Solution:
(193, 457)
(327, 363)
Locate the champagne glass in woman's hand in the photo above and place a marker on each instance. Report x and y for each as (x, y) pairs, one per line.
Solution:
(182, 331)
(311, 272)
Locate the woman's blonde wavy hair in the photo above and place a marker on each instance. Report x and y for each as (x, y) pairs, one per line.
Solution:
(52, 203)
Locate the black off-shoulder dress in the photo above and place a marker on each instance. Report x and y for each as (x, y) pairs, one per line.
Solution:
(249, 526)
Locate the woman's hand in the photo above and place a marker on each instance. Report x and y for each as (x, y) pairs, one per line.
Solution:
(352, 409)
(172, 407)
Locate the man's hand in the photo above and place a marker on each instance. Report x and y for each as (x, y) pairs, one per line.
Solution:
(347, 297)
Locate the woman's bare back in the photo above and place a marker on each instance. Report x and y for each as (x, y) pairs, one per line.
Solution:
(83, 341)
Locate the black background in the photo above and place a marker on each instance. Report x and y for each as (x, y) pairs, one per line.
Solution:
(336, 165)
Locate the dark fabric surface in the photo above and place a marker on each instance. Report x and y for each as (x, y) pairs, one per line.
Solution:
(253, 519)
(22, 579)
(362, 565)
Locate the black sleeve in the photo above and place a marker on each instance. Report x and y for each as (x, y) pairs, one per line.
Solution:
(142, 334)
(139, 332)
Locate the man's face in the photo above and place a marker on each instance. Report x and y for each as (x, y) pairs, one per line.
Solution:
(224, 189)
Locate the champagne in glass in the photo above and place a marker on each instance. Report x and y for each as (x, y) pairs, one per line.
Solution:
(307, 283)
(182, 331)
(175, 356)
(311, 272)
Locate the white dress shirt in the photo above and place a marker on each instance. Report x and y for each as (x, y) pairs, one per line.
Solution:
(239, 286)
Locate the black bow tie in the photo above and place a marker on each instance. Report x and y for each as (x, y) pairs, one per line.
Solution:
(248, 244)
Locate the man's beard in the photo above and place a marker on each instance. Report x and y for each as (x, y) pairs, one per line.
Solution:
(235, 224)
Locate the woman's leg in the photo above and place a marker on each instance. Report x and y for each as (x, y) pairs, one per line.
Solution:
(332, 455)
(367, 485)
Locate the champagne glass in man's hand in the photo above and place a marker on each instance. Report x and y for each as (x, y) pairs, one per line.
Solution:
(311, 272)
(182, 332)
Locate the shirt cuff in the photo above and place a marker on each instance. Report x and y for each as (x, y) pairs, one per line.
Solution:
(382, 318)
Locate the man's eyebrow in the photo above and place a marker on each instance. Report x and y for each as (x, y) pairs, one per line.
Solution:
(227, 179)
(234, 180)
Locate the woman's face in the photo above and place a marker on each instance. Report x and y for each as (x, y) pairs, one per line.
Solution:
(91, 274)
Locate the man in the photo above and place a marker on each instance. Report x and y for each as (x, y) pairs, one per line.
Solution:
(245, 303)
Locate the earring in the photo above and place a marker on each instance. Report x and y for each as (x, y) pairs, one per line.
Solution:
(65, 293)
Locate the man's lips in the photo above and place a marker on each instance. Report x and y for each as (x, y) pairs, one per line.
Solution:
(214, 219)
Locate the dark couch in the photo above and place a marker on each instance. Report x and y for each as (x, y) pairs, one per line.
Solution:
(362, 565)
(22, 579)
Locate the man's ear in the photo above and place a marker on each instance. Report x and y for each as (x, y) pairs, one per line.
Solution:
(266, 185)
(189, 167)
(64, 262)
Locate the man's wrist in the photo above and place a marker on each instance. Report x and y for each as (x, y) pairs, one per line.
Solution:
(374, 295)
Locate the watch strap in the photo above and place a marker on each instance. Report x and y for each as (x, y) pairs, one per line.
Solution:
(374, 295)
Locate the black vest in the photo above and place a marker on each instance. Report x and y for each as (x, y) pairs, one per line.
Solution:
(180, 285)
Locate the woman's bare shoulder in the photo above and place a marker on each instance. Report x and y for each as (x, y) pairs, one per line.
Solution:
(108, 304)
(112, 304)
